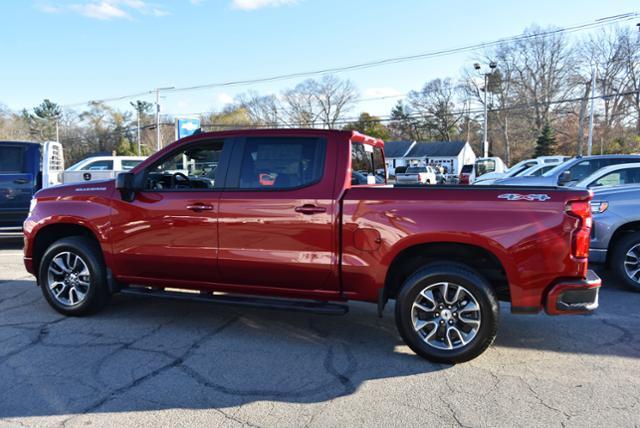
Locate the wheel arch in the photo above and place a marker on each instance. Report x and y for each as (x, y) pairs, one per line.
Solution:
(621, 231)
(410, 258)
(48, 234)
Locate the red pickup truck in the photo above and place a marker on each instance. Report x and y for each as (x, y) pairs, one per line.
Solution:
(297, 219)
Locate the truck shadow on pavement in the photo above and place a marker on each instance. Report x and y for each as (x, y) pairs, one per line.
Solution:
(150, 354)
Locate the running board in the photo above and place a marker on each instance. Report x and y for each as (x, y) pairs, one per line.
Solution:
(321, 308)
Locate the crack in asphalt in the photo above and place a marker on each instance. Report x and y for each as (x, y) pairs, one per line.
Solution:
(43, 332)
(175, 363)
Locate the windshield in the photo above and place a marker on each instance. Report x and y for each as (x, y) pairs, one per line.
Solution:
(484, 166)
(416, 169)
(557, 168)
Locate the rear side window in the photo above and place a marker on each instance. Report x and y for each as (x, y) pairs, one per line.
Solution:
(367, 160)
(11, 159)
(101, 165)
(129, 164)
(616, 178)
(281, 162)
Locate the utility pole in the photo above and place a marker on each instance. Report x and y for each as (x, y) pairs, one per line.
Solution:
(593, 96)
(485, 131)
(57, 131)
(485, 141)
(138, 119)
(158, 136)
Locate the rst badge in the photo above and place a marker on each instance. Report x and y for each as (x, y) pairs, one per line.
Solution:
(541, 197)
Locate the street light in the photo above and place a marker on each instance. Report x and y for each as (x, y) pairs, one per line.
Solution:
(485, 142)
(157, 91)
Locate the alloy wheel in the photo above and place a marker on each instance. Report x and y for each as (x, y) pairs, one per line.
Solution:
(446, 316)
(632, 263)
(68, 278)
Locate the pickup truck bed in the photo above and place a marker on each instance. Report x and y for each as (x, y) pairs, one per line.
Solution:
(277, 214)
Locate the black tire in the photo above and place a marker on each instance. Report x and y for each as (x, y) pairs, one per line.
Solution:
(619, 256)
(97, 295)
(461, 275)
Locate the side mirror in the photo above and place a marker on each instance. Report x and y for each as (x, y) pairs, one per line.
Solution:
(564, 178)
(124, 183)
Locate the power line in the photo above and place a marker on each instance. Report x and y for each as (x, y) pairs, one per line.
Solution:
(600, 22)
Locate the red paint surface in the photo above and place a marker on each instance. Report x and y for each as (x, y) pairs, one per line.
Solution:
(260, 243)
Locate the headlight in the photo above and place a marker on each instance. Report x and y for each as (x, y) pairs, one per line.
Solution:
(598, 207)
(32, 205)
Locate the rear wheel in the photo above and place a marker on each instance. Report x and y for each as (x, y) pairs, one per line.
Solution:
(72, 276)
(625, 260)
(447, 313)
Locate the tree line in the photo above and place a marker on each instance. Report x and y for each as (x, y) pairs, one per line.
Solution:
(539, 91)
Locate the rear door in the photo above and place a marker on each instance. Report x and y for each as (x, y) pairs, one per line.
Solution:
(18, 174)
(277, 218)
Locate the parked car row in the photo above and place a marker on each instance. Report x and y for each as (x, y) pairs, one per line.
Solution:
(615, 179)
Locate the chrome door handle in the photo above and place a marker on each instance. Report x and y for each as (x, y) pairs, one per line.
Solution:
(310, 209)
(200, 207)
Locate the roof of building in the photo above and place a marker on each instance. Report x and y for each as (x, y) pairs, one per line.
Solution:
(436, 149)
(396, 149)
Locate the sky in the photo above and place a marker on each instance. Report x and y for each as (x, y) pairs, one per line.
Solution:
(74, 51)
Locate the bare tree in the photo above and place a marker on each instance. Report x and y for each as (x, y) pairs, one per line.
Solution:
(263, 110)
(334, 98)
(319, 102)
(542, 66)
(300, 105)
(436, 103)
(630, 47)
(606, 52)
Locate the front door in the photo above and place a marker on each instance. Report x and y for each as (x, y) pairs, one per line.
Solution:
(170, 231)
(277, 218)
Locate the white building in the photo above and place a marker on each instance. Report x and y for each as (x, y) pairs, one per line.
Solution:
(452, 155)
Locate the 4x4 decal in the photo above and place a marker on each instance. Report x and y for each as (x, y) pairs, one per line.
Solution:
(541, 197)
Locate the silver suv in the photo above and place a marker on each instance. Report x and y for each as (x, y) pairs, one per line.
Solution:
(570, 172)
(615, 237)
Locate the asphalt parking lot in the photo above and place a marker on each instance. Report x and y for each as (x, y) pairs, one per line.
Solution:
(169, 363)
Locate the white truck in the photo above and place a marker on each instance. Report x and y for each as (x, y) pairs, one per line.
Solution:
(99, 168)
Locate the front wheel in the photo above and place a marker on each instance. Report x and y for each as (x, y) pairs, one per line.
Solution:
(72, 276)
(625, 260)
(447, 313)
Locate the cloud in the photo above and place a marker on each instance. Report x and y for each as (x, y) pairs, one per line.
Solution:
(104, 10)
(196, 2)
(107, 9)
(382, 92)
(258, 4)
(48, 8)
(225, 98)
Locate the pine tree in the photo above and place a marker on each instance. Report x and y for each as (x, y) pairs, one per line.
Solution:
(42, 122)
(546, 143)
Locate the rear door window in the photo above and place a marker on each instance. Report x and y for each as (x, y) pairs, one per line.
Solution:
(281, 163)
(101, 165)
(616, 178)
(11, 160)
(129, 164)
(366, 161)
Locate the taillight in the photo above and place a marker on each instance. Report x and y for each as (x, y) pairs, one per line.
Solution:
(582, 235)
